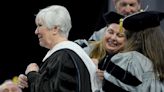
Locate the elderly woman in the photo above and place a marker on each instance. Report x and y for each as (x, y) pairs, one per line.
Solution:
(66, 67)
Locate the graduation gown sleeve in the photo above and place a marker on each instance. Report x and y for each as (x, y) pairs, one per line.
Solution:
(63, 71)
(131, 72)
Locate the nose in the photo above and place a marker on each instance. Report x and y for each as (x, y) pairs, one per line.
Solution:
(36, 31)
(113, 37)
(128, 10)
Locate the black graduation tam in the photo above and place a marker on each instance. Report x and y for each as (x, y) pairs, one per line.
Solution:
(143, 20)
(112, 17)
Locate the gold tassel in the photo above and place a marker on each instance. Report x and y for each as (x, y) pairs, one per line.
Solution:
(15, 79)
(121, 25)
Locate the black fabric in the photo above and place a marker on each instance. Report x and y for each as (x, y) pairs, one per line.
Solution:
(112, 17)
(102, 65)
(110, 87)
(122, 75)
(83, 45)
(63, 71)
(143, 20)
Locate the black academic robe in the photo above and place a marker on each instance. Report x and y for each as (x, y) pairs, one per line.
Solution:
(63, 71)
(120, 74)
(102, 65)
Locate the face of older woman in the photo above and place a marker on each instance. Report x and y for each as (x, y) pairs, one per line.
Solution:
(114, 40)
(44, 34)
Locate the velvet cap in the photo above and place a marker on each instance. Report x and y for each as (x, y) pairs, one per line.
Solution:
(142, 20)
(112, 17)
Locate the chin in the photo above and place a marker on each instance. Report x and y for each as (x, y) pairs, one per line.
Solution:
(111, 49)
(41, 44)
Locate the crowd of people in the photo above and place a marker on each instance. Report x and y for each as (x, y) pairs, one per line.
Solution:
(124, 56)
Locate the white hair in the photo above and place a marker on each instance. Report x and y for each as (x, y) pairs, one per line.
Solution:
(56, 15)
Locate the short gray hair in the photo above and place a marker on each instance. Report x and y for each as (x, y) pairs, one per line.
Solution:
(56, 15)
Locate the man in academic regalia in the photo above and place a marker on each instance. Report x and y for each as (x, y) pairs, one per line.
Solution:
(66, 67)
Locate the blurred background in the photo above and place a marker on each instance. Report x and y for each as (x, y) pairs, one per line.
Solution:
(19, 44)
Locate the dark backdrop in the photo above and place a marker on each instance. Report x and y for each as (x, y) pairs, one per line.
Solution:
(19, 45)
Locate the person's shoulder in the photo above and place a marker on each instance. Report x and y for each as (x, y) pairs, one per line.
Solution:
(131, 57)
(130, 54)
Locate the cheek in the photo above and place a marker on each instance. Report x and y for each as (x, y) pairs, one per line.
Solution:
(121, 8)
(122, 42)
(135, 9)
(107, 36)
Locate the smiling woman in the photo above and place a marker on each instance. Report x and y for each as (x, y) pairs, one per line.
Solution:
(112, 42)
